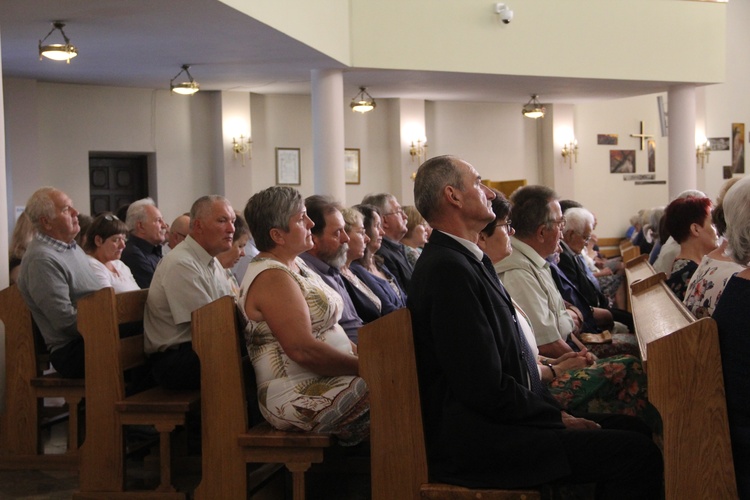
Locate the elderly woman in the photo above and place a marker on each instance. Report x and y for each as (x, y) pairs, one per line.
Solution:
(231, 257)
(305, 365)
(417, 232)
(368, 305)
(578, 382)
(22, 235)
(689, 223)
(371, 269)
(732, 316)
(709, 280)
(104, 242)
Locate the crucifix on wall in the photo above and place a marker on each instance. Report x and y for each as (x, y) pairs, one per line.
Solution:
(642, 136)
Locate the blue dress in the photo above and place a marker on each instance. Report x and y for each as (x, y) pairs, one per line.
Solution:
(389, 292)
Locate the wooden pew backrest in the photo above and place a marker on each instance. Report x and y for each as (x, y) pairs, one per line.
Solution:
(398, 458)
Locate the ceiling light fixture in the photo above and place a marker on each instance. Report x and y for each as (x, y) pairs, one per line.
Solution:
(362, 102)
(533, 108)
(184, 88)
(57, 51)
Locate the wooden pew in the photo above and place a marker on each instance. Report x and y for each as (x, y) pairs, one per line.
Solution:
(686, 384)
(636, 269)
(609, 247)
(21, 445)
(399, 461)
(108, 408)
(229, 444)
(629, 252)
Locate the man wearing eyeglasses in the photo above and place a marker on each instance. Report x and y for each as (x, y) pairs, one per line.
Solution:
(178, 231)
(394, 225)
(577, 232)
(539, 224)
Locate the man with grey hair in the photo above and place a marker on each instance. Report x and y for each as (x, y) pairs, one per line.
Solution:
(55, 274)
(392, 250)
(539, 223)
(579, 226)
(188, 278)
(148, 232)
(328, 254)
(489, 422)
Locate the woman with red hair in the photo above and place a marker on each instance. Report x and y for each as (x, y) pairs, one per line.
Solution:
(689, 222)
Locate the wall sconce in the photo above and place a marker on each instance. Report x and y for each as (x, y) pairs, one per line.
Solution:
(57, 51)
(418, 152)
(570, 153)
(702, 151)
(362, 102)
(533, 108)
(185, 88)
(243, 147)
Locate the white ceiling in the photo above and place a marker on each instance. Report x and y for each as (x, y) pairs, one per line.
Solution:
(143, 43)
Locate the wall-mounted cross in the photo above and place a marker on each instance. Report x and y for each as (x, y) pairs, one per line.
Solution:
(642, 136)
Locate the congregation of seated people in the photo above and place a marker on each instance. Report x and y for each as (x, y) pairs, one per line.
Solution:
(464, 260)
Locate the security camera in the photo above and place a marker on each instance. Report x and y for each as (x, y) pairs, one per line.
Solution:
(504, 12)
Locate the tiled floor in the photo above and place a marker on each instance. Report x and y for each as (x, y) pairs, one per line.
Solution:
(143, 474)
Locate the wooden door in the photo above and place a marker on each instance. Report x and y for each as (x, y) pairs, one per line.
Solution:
(116, 180)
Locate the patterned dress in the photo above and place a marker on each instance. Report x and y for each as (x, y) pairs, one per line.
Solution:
(682, 271)
(290, 396)
(707, 285)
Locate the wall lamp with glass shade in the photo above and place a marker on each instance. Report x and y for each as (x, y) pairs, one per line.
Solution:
(533, 108)
(362, 102)
(570, 153)
(57, 51)
(189, 87)
(242, 147)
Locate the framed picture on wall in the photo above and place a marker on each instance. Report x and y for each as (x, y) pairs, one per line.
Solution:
(351, 165)
(287, 166)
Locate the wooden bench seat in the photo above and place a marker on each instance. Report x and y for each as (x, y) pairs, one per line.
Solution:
(229, 444)
(399, 461)
(109, 408)
(26, 385)
(686, 385)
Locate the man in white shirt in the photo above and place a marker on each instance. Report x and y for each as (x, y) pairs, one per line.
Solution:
(188, 278)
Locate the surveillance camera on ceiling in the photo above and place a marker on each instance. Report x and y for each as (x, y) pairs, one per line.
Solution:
(502, 10)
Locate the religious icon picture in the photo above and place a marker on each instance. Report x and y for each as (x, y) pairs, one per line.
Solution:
(738, 148)
(607, 139)
(622, 161)
(651, 147)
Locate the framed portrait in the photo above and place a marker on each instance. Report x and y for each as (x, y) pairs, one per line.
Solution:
(738, 148)
(351, 165)
(287, 166)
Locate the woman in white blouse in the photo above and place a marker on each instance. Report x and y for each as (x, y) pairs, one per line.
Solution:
(105, 240)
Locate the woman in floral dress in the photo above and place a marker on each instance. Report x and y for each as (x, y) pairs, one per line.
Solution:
(305, 365)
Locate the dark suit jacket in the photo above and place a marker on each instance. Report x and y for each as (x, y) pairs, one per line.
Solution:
(395, 260)
(573, 268)
(142, 258)
(482, 427)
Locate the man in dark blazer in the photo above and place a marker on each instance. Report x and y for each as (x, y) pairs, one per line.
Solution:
(488, 420)
(578, 228)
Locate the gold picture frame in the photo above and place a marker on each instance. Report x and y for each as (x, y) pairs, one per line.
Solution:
(351, 166)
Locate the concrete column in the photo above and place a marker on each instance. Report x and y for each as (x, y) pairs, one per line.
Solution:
(681, 174)
(328, 133)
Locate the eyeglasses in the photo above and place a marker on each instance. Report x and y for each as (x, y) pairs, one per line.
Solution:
(584, 238)
(560, 223)
(507, 225)
(400, 211)
(110, 217)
